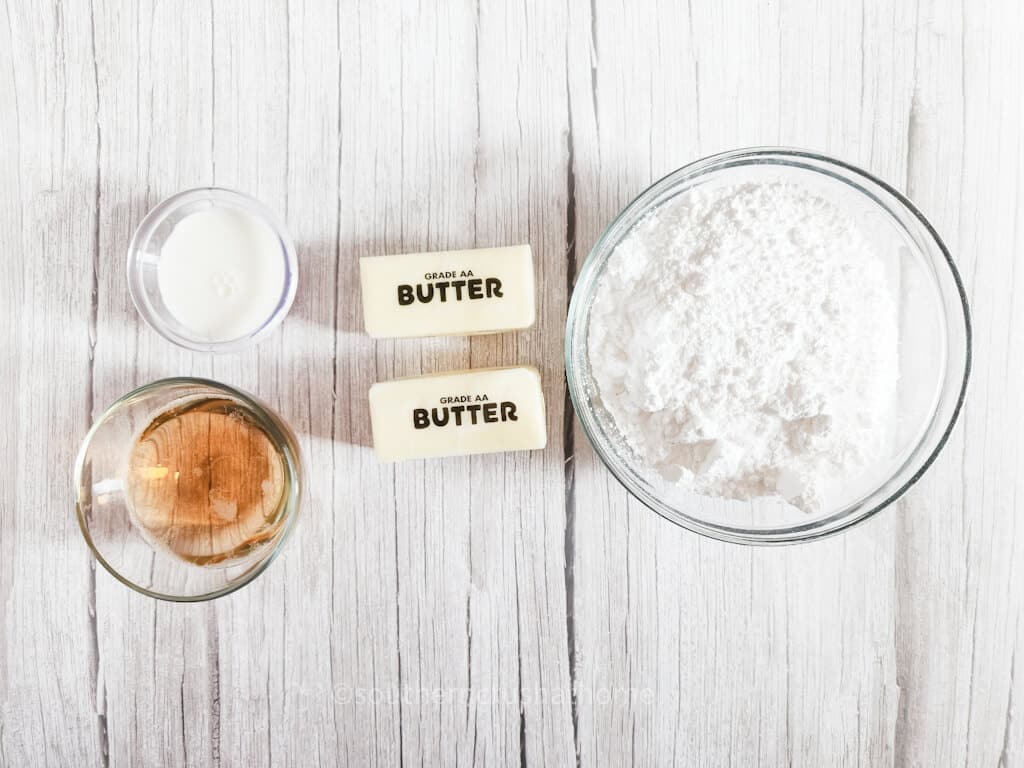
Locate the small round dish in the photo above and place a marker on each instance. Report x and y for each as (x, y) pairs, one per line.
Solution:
(112, 504)
(934, 346)
(143, 265)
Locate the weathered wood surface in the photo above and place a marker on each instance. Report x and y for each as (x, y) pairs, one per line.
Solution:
(511, 609)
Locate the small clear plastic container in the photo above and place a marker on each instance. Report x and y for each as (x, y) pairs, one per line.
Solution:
(144, 254)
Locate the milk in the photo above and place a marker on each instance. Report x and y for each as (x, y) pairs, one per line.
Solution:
(221, 273)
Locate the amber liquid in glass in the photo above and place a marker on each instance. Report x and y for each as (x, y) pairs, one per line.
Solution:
(206, 482)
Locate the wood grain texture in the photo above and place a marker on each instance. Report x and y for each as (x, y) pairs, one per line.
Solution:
(514, 609)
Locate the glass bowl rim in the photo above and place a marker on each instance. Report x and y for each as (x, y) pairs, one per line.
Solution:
(818, 528)
(295, 494)
(156, 215)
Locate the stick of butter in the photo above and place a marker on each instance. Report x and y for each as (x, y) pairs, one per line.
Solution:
(449, 293)
(453, 414)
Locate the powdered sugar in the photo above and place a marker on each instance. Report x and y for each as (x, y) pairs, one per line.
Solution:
(744, 342)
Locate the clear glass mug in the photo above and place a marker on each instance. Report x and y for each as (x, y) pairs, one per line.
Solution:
(186, 489)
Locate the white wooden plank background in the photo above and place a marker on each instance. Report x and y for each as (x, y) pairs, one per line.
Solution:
(513, 609)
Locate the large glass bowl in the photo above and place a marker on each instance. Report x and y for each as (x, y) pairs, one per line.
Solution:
(934, 346)
(110, 524)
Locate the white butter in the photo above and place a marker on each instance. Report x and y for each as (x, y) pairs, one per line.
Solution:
(448, 293)
(453, 414)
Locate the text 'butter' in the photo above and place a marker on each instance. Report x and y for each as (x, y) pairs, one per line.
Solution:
(454, 414)
(448, 293)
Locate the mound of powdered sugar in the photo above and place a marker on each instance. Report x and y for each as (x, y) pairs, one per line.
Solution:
(744, 342)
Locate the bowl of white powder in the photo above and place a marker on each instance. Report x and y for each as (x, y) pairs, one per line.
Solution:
(768, 346)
